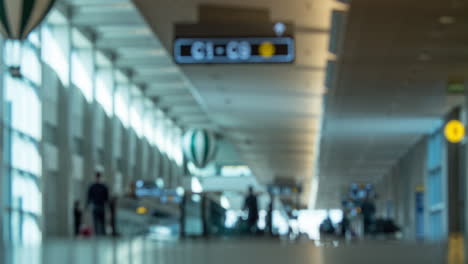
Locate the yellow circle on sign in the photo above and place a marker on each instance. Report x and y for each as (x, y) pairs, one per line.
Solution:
(454, 131)
(141, 210)
(267, 49)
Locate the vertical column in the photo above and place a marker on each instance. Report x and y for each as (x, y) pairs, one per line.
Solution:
(126, 141)
(89, 126)
(138, 167)
(465, 161)
(109, 138)
(156, 161)
(205, 215)
(455, 208)
(150, 162)
(63, 181)
(3, 186)
(146, 150)
(183, 216)
(456, 212)
(139, 141)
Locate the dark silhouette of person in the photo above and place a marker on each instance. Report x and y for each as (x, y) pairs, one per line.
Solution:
(345, 223)
(98, 198)
(77, 217)
(251, 205)
(327, 227)
(113, 215)
(269, 220)
(368, 212)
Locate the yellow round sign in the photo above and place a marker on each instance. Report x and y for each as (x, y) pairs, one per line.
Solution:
(267, 49)
(141, 210)
(454, 131)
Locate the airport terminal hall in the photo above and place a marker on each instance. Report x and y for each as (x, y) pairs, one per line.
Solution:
(233, 132)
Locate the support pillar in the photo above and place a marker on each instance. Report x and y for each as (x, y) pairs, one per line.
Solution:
(456, 210)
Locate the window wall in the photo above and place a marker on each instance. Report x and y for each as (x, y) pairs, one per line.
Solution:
(23, 161)
(436, 184)
(92, 80)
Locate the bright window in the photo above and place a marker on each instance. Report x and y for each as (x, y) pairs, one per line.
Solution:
(26, 194)
(159, 132)
(54, 52)
(25, 107)
(81, 73)
(32, 234)
(34, 38)
(178, 153)
(122, 104)
(30, 65)
(435, 186)
(104, 90)
(136, 111)
(235, 171)
(23, 118)
(26, 155)
(148, 120)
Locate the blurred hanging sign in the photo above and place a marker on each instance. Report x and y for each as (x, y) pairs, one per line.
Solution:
(456, 85)
(219, 41)
(456, 88)
(148, 189)
(284, 190)
(234, 50)
(454, 131)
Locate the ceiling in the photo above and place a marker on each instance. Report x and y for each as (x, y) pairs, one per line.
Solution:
(121, 33)
(385, 90)
(271, 113)
(389, 90)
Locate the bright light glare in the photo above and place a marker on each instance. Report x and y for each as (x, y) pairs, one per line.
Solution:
(225, 202)
(180, 191)
(161, 230)
(231, 218)
(160, 183)
(262, 219)
(196, 185)
(280, 222)
(309, 221)
(196, 198)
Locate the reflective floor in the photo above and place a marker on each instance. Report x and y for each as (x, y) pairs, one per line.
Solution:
(141, 251)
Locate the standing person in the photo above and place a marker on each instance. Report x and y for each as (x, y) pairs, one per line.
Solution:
(269, 222)
(98, 198)
(327, 227)
(113, 215)
(345, 223)
(77, 217)
(251, 205)
(368, 213)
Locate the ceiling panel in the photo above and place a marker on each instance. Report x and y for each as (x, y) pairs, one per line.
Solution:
(389, 89)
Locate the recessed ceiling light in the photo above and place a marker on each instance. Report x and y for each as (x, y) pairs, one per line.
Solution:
(436, 34)
(424, 56)
(447, 20)
(142, 31)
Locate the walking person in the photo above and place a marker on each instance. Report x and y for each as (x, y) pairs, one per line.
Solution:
(269, 218)
(251, 205)
(77, 218)
(113, 215)
(368, 213)
(98, 199)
